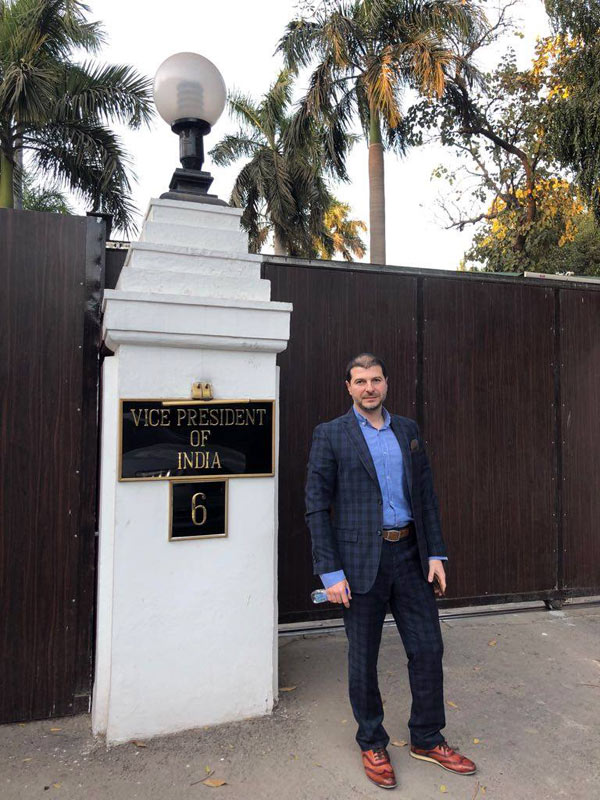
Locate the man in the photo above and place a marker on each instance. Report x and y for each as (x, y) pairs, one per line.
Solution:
(376, 539)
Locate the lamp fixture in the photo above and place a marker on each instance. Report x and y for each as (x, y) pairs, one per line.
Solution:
(190, 95)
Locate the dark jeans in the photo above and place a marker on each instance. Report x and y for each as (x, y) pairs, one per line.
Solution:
(400, 583)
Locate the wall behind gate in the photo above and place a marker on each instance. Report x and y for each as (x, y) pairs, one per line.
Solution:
(51, 268)
(490, 366)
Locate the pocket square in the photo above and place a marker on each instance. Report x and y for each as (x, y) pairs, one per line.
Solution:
(414, 445)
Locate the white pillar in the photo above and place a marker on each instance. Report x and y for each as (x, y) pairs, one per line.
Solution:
(186, 631)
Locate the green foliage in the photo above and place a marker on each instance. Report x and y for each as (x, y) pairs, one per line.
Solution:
(501, 128)
(573, 134)
(58, 111)
(44, 197)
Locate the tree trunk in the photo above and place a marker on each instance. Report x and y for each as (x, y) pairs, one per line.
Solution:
(278, 245)
(18, 175)
(376, 193)
(6, 182)
(531, 206)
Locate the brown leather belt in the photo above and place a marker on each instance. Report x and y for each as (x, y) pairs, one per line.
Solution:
(395, 534)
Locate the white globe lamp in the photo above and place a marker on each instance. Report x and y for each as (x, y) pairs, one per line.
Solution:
(190, 95)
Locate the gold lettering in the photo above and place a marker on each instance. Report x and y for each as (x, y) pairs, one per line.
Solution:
(261, 412)
(154, 413)
(197, 506)
(216, 461)
(165, 417)
(214, 416)
(198, 438)
(188, 460)
(250, 416)
(203, 416)
(192, 414)
(239, 416)
(181, 414)
(229, 416)
(179, 460)
(139, 416)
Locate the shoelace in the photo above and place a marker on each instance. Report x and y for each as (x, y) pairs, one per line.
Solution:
(379, 754)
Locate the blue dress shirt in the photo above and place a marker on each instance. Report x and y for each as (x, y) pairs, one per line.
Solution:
(389, 466)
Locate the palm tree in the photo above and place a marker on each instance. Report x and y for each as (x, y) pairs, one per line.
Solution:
(44, 196)
(343, 234)
(282, 187)
(59, 112)
(368, 52)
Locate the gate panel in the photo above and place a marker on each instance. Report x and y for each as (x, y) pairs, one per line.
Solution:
(49, 308)
(580, 423)
(337, 314)
(488, 383)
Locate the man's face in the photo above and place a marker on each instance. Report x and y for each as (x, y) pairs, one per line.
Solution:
(367, 387)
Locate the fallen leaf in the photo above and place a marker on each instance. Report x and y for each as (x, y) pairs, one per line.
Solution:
(399, 743)
(476, 792)
(475, 741)
(483, 790)
(443, 789)
(492, 643)
(287, 688)
(451, 704)
(27, 759)
(138, 743)
(53, 730)
(208, 770)
(344, 721)
(214, 782)
(57, 785)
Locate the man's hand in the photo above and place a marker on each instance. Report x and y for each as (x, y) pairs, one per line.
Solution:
(437, 576)
(340, 593)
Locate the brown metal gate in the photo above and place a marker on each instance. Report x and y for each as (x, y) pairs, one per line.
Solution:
(51, 269)
(502, 375)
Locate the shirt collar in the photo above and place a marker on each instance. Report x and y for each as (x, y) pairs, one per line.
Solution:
(364, 421)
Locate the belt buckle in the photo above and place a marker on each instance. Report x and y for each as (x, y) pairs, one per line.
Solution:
(396, 534)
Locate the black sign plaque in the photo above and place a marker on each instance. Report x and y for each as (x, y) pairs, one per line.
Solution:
(179, 439)
(198, 510)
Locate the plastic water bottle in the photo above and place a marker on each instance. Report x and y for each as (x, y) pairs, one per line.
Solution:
(319, 596)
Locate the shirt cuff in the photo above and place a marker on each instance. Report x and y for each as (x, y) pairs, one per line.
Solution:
(330, 578)
(439, 558)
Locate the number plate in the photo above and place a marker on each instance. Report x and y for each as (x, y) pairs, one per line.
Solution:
(198, 510)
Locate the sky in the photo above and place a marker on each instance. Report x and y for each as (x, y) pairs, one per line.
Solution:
(240, 37)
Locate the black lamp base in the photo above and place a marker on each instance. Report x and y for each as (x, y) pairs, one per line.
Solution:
(192, 185)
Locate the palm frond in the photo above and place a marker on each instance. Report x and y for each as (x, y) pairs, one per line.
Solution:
(243, 109)
(234, 146)
(105, 92)
(90, 159)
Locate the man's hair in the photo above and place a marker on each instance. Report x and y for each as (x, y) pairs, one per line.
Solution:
(364, 360)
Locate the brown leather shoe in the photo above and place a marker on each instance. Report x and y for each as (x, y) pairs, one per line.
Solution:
(378, 768)
(445, 757)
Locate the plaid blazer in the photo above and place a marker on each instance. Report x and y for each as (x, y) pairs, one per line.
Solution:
(344, 507)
